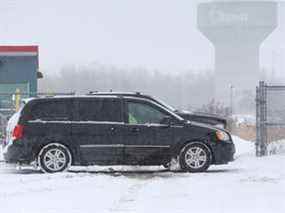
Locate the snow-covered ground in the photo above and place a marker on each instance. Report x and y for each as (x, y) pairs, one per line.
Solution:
(248, 184)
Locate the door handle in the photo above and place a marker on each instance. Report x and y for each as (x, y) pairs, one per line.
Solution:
(164, 126)
(112, 129)
(135, 129)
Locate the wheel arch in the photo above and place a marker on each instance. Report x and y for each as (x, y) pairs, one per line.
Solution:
(50, 146)
(38, 148)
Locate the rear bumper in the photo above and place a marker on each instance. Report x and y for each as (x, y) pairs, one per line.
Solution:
(223, 152)
(16, 152)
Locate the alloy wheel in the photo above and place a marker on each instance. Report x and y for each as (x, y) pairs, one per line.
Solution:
(54, 159)
(195, 157)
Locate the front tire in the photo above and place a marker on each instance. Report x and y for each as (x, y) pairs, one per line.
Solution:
(195, 157)
(54, 158)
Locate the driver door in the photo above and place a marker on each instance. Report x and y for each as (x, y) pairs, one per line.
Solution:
(145, 138)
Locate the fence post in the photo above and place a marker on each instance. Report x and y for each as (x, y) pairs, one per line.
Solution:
(265, 121)
(258, 134)
(263, 128)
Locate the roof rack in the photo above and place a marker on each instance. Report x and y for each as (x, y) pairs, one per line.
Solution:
(92, 92)
(113, 93)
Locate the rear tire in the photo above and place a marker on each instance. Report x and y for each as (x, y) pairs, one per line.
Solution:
(54, 158)
(195, 157)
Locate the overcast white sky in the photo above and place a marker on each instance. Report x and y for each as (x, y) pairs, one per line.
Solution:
(157, 34)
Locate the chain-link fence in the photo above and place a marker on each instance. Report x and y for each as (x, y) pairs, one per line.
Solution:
(270, 119)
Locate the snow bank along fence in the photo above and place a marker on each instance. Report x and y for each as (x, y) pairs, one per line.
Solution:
(11, 102)
(270, 119)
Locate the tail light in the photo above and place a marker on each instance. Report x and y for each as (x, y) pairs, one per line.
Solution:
(18, 132)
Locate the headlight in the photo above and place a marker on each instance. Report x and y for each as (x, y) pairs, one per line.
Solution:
(222, 136)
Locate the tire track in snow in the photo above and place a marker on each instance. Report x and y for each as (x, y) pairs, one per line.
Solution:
(126, 200)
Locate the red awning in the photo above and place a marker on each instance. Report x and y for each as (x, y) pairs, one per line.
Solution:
(18, 50)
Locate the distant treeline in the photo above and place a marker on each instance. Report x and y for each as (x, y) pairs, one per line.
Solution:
(184, 90)
(189, 90)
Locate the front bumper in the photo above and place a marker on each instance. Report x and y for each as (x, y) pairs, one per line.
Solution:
(223, 152)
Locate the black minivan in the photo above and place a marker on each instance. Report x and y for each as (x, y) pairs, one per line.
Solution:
(57, 132)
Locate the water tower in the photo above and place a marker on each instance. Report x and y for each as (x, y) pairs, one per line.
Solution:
(236, 29)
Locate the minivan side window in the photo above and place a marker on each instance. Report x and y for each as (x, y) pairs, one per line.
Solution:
(142, 113)
(99, 109)
(51, 111)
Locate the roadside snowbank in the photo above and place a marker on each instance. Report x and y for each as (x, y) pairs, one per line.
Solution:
(242, 146)
(277, 147)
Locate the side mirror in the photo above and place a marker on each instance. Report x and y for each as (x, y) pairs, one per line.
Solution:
(167, 120)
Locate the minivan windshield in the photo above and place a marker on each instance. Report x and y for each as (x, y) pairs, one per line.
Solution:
(172, 112)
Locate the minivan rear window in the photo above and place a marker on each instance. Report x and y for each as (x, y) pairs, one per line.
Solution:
(54, 110)
(99, 109)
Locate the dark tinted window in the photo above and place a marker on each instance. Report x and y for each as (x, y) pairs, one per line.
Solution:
(142, 113)
(52, 110)
(99, 109)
